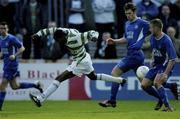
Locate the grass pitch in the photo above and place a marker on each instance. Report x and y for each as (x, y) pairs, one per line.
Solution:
(86, 110)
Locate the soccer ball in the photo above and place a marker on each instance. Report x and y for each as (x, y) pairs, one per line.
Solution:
(141, 72)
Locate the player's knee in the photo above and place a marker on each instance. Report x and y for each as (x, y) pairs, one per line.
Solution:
(14, 87)
(2, 87)
(157, 84)
(93, 77)
(59, 78)
(145, 84)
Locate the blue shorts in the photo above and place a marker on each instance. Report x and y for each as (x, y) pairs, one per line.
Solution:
(154, 71)
(128, 63)
(10, 74)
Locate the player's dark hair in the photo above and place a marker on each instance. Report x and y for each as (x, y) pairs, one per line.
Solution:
(130, 6)
(3, 23)
(157, 22)
(59, 34)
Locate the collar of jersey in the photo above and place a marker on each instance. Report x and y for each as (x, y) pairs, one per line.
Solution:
(134, 20)
(3, 38)
(160, 37)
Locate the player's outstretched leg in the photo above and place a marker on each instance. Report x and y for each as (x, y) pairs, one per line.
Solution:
(110, 78)
(38, 85)
(35, 100)
(39, 99)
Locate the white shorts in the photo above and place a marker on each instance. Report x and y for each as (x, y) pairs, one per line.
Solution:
(82, 67)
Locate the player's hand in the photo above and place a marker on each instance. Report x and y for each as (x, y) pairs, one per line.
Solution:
(110, 41)
(163, 77)
(35, 37)
(12, 57)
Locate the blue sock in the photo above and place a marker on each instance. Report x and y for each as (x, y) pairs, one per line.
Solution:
(27, 85)
(167, 85)
(114, 91)
(153, 92)
(163, 95)
(2, 96)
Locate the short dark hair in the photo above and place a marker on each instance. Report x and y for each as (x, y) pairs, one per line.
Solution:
(130, 6)
(157, 22)
(59, 34)
(3, 23)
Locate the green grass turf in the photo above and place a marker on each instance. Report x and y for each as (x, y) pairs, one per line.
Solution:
(86, 110)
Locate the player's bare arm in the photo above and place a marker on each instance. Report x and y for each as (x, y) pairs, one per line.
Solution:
(169, 66)
(43, 32)
(164, 76)
(20, 50)
(116, 41)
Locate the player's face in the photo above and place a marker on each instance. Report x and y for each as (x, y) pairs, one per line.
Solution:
(130, 15)
(3, 30)
(154, 30)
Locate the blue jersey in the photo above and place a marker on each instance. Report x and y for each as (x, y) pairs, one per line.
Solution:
(162, 49)
(135, 33)
(9, 46)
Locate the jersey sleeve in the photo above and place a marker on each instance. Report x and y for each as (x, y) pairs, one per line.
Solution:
(47, 31)
(170, 49)
(89, 36)
(84, 37)
(16, 43)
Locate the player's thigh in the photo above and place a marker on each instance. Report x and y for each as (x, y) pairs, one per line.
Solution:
(92, 75)
(14, 84)
(65, 75)
(158, 80)
(116, 71)
(83, 67)
(3, 84)
(145, 83)
(121, 67)
(149, 78)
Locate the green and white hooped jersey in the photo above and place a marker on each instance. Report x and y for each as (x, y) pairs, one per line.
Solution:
(75, 40)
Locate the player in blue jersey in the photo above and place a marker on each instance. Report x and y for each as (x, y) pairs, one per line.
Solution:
(10, 48)
(136, 30)
(164, 58)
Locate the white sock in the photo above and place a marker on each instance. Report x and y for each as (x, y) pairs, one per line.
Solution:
(52, 88)
(109, 78)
